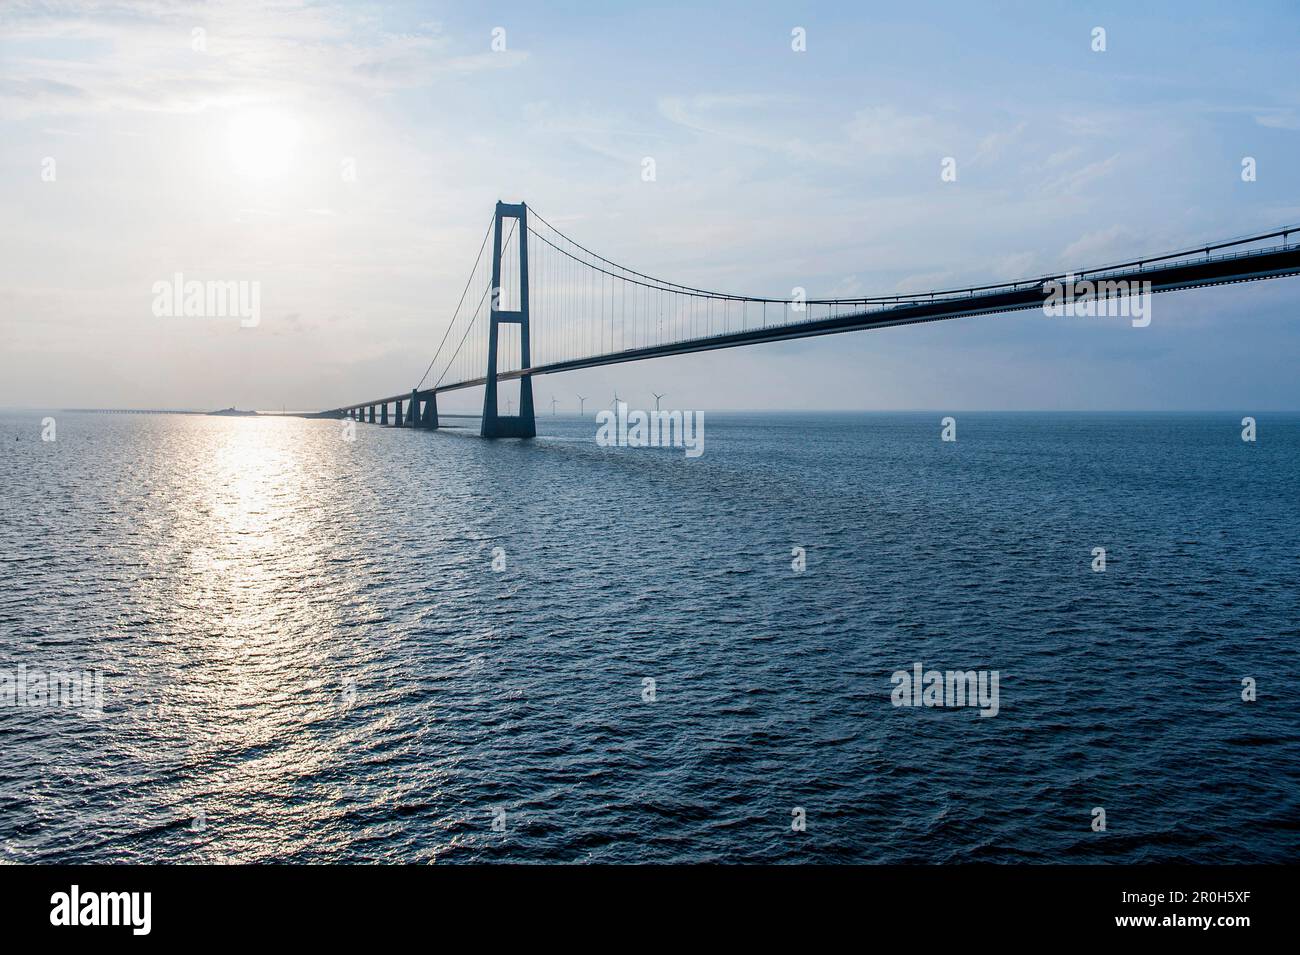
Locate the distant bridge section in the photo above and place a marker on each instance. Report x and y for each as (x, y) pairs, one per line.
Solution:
(556, 306)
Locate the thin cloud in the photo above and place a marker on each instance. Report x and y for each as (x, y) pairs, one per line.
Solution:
(185, 57)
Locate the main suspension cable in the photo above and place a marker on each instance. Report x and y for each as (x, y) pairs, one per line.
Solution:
(474, 318)
(472, 271)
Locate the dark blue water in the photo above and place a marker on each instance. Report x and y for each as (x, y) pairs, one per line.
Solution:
(308, 656)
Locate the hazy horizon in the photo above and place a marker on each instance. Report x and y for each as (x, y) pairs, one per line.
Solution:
(591, 411)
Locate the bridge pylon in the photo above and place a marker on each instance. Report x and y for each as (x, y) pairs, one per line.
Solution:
(524, 424)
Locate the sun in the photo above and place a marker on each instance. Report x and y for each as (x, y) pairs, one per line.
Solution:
(262, 142)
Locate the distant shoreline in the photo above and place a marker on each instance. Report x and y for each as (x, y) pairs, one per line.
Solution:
(223, 413)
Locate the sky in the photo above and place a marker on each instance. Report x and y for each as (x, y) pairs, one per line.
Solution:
(346, 157)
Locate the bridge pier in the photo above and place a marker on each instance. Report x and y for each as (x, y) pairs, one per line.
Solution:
(524, 424)
(383, 413)
(397, 416)
(430, 419)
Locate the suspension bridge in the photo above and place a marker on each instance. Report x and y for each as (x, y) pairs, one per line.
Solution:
(588, 311)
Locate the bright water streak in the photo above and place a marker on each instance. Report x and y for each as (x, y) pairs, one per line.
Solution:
(304, 640)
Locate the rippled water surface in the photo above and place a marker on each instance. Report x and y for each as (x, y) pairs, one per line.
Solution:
(308, 656)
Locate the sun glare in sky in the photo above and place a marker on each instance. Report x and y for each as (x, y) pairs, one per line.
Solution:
(262, 142)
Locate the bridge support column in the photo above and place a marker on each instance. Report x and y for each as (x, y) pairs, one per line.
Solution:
(372, 414)
(414, 419)
(397, 418)
(522, 425)
(383, 413)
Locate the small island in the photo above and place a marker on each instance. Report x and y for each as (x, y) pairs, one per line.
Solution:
(233, 413)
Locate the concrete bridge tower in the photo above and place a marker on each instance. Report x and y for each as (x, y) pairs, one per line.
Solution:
(522, 425)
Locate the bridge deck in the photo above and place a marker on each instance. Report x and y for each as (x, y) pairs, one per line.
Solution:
(1251, 266)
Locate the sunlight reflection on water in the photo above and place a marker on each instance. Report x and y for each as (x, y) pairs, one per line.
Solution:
(310, 658)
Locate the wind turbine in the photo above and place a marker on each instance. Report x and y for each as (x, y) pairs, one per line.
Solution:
(657, 397)
(581, 399)
(615, 405)
(552, 406)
